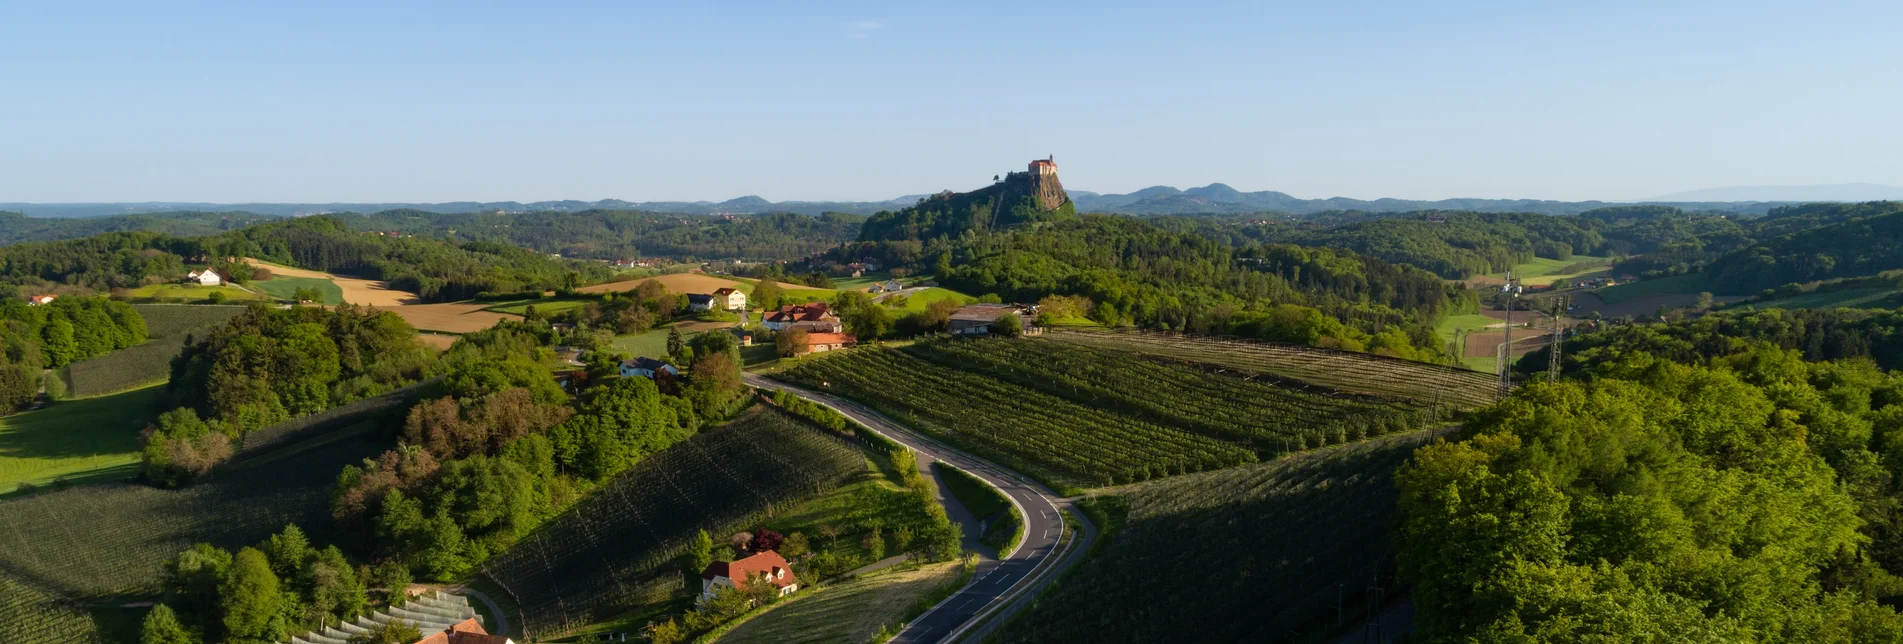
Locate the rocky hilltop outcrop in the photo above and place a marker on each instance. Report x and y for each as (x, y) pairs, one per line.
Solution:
(1035, 195)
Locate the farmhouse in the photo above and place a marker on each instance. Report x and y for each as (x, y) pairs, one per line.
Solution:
(812, 318)
(468, 631)
(646, 368)
(699, 302)
(40, 299)
(976, 319)
(767, 566)
(818, 342)
(732, 298)
(205, 277)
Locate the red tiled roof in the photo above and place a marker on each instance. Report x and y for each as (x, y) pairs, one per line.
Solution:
(768, 564)
(830, 338)
(725, 291)
(815, 312)
(468, 631)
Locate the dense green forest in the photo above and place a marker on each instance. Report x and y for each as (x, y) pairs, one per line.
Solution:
(434, 269)
(267, 366)
(1459, 245)
(1131, 272)
(64, 331)
(16, 227)
(1748, 497)
(620, 234)
(1819, 334)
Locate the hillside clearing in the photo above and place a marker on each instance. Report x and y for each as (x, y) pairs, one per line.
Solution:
(285, 288)
(190, 293)
(71, 436)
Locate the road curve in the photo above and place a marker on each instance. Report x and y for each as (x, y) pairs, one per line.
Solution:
(998, 588)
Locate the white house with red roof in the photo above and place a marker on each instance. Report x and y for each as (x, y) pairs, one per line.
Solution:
(732, 298)
(768, 567)
(38, 300)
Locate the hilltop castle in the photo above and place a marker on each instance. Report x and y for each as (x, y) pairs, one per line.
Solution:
(1044, 184)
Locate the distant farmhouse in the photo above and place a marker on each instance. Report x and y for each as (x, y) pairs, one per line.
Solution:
(811, 318)
(768, 567)
(646, 368)
(700, 302)
(38, 300)
(976, 319)
(205, 277)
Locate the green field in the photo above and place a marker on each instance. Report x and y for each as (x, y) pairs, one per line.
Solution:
(545, 305)
(652, 344)
(1856, 298)
(1542, 271)
(285, 288)
(72, 436)
(860, 282)
(850, 612)
(1687, 283)
(190, 293)
(918, 301)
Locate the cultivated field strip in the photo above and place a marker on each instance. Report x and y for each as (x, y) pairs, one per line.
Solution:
(31, 616)
(1346, 371)
(1264, 546)
(1034, 432)
(619, 548)
(1270, 416)
(110, 539)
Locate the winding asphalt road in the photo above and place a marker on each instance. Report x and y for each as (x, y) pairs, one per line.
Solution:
(999, 588)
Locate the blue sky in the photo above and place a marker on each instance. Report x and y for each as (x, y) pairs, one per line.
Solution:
(395, 101)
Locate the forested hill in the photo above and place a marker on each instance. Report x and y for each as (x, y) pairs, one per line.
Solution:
(1011, 202)
(1813, 242)
(16, 227)
(436, 270)
(1129, 271)
(1458, 245)
(590, 234)
(617, 234)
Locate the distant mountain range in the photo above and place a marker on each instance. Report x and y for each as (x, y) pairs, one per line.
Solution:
(741, 205)
(1157, 200)
(1854, 192)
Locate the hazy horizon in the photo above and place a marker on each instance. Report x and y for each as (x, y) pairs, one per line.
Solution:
(429, 103)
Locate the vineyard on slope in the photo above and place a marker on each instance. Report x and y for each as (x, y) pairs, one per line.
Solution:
(30, 616)
(110, 539)
(1061, 442)
(1343, 370)
(1280, 415)
(167, 327)
(620, 548)
(1249, 554)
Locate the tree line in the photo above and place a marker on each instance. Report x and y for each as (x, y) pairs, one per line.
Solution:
(1748, 496)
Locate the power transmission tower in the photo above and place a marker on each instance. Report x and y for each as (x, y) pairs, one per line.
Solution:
(1511, 291)
(1559, 336)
